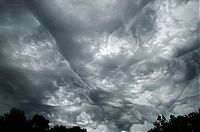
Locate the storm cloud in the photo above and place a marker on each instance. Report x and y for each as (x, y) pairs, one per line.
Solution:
(106, 65)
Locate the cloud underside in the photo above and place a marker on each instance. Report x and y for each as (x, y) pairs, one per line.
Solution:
(104, 65)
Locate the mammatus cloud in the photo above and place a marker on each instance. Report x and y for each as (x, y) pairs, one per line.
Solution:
(104, 65)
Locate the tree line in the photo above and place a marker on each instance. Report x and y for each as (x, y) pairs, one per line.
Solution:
(16, 121)
(181, 123)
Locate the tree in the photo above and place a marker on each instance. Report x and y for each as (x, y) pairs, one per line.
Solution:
(16, 121)
(186, 123)
(64, 129)
(39, 122)
(58, 129)
(76, 129)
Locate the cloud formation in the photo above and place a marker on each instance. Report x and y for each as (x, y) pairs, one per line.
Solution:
(105, 65)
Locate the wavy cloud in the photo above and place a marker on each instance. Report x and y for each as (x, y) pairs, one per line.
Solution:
(104, 65)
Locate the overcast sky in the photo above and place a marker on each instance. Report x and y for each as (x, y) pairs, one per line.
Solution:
(106, 65)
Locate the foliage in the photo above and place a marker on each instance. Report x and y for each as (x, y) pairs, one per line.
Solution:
(186, 123)
(16, 121)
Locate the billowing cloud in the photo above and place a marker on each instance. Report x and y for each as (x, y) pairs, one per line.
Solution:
(104, 65)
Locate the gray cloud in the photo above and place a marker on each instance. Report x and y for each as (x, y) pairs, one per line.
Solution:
(105, 65)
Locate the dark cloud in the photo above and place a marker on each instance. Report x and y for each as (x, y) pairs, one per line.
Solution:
(105, 65)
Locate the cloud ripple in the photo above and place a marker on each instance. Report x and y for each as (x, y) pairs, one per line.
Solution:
(105, 65)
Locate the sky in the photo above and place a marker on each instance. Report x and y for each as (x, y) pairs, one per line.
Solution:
(108, 66)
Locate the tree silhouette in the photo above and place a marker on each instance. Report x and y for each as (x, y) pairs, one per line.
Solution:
(186, 123)
(16, 121)
(59, 129)
(39, 122)
(64, 129)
